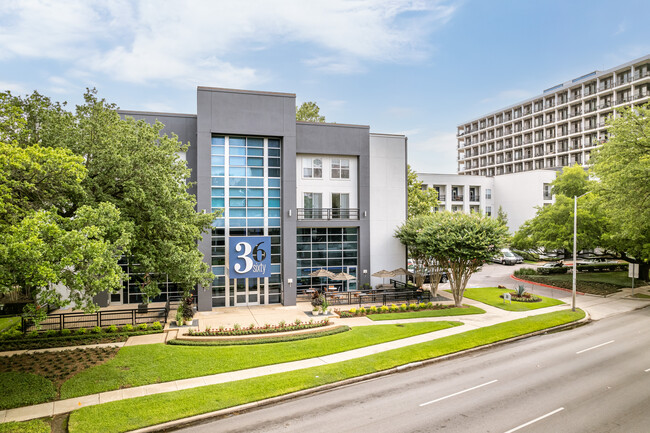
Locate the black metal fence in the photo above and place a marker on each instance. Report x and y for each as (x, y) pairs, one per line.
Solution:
(102, 318)
(385, 298)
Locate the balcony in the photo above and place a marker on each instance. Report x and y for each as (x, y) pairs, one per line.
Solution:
(441, 197)
(639, 75)
(455, 197)
(605, 86)
(327, 214)
(605, 104)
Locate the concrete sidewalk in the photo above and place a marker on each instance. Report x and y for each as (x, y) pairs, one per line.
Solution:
(597, 307)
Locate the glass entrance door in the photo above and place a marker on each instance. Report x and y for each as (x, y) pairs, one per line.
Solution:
(352, 284)
(247, 291)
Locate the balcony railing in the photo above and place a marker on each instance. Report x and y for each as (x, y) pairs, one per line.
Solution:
(456, 197)
(327, 214)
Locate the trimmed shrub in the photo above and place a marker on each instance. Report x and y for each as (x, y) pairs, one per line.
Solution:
(81, 331)
(65, 332)
(111, 329)
(525, 271)
(156, 326)
(127, 328)
(403, 307)
(96, 330)
(142, 326)
(353, 311)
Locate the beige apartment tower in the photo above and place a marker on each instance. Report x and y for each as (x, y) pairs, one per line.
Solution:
(558, 128)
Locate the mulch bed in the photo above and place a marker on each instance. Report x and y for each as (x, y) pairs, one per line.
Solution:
(57, 366)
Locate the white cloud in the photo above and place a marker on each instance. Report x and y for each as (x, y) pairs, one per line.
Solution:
(435, 153)
(15, 88)
(188, 42)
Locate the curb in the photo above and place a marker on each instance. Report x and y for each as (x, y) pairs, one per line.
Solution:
(546, 285)
(197, 419)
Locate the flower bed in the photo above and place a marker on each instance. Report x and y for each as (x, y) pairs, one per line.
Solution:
(252, 329)
(526, 297)
(15, 340)
(363, 311)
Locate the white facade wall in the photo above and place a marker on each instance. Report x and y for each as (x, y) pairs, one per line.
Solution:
(518, 194)
(387, 202)
(327, 185)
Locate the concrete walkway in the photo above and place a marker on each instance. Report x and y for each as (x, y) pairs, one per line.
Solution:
(597, 307)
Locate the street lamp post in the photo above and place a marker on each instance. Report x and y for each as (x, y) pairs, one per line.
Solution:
(575, 242)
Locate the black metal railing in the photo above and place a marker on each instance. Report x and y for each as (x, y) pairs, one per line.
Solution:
(385, 298)
(101, 318)
(328, 214)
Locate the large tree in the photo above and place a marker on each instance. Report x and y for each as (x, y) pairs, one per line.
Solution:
(132, 166)
(622, 165)
(552, 226)
(309, 112)
(461, 243)
(418, 250)
(421, 200)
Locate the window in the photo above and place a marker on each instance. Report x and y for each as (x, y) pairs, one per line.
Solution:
(488, 193)
(312, 168)
(547, 191)
(340, 168)
(488, 210)
(313, 203)
(340, 205)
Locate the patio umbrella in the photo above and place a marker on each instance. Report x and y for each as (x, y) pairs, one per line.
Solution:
(342, 276)
(322, 273)
(383, 274)
(401, 271)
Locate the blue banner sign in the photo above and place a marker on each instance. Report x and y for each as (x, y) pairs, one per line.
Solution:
(249, 256)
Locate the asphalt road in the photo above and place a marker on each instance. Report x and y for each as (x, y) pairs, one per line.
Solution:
(592, 379)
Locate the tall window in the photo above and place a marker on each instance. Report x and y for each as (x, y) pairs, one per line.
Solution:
(547, 191)
(488, 193)
(313, 204)
(312, 168)
(340, 205)
(340, 168)
(488, 210)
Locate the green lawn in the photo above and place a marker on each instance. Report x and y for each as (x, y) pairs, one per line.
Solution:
(33, 426)
(641, 296)
(490, 296)
(24, 389)
(596, 283)
(8, 322)
(426, 313)
(152, 363)
(125, 415)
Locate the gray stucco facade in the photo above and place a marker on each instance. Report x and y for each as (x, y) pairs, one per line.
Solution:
(241, 113)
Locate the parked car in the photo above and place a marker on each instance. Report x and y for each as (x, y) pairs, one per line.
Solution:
(505, 258)
(519, 258)
(552, 265)
(427, 278)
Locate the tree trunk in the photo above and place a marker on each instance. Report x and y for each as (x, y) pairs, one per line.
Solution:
(644, 271)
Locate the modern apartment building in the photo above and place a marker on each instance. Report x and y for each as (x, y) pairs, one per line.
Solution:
(518, 194)
(557, 128)
(321, 195)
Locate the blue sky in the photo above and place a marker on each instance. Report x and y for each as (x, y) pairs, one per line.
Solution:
(414, 67)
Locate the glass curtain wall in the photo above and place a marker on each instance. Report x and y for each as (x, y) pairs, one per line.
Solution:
(333, 248)
(246, 185)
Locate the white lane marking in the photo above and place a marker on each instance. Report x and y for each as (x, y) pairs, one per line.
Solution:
(647, 370)
(535, 420)
(594, 347)
(457, 393)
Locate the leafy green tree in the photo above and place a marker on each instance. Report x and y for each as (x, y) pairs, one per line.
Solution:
(461, 243)
(502, 217)
(421, 201)
(309, 112)
(418, 250)
(622, 165)
(132, 166)
(44, 250)
(552, 226)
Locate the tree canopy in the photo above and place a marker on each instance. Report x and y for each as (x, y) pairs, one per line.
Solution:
(95, 187)
(309, 112)
(552, 226)
(420, 201)
(622, 166)
(456, 242)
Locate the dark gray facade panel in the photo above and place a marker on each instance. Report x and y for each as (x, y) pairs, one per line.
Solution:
(183, 125)
(332, 139)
